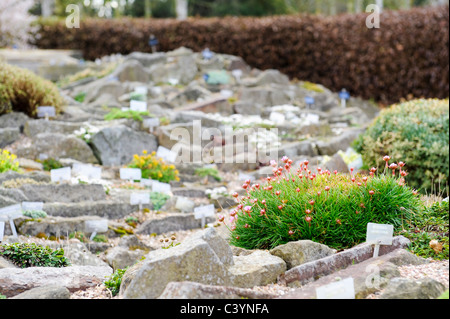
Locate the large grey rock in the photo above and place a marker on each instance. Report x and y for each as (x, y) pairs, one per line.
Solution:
(35, 127)
(268, 77)
(56, 145)
(194, 290)
(259, 268)
(131, 71)
(45, 292)
(405, 288)
(120, 257)
(171, 222)
(103, 86)
(64, 193)
(14, 281)
(79, 255)
(196, 259)
(369, 276)
(13, 120)
(337, 163)
(107, 209)
(306, 272)
(295, 253)
(115, 146)
(182, 69)
(8, 136)
(264, 96)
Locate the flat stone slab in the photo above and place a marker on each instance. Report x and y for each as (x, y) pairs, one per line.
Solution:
(171, 222)
(368, 276)
(64, 193)
(307, 272)
(14, 281)
(105, 208)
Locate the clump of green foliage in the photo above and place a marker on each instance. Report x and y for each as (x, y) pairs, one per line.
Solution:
(35, 214)
(78, 235)
(23, 91)
(312, 87)
(158, 199)
(115, 280)
(416, 131)
(330, 208)
(206, 171)
(428, 225)
(31, 255)
(128, 114)
(100, 239)
(51, 163)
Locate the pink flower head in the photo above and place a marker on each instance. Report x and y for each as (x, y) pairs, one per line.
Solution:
(401, 164)
(247, 209)
(263, 202)
(327, 188)
(262, 212)
(371, 192)
(291, 232)
(386, 158)
(285, 159)
(221, 218)
(335, 172)
(312, 202)
(273, 163)
(235, 194)
(308, 219)
(278, 193)
(306, 162)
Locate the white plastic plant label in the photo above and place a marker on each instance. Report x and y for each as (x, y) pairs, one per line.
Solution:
(61, 174)
(131, 174)
(159, 187)
(46, 111)
(138, 106)
(2, 230)
(342, 289)
(381, 234)
(11, 212)
(30, 206)
(139, 198)
(151, 123)
(166, 154)
(96, 226)
(88, 171)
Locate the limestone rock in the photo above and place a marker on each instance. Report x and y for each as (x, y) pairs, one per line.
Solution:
(405, 288)
(14, 281)
(115, 146)
(45, 292)
(295, 253)
(259, 268)
(193, 260)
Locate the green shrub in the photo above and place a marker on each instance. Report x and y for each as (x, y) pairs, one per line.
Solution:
(23, 91)
(416, 132)
(115, 280)
(329, 208)
(431, 224)
(31, 255)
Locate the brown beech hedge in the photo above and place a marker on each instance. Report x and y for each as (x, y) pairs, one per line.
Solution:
(408, 56)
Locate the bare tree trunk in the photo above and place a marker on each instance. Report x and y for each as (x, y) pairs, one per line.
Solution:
(47, 7)
(182, 9)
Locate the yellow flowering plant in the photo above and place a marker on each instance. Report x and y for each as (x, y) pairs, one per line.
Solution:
(155, 168)
(8, 161)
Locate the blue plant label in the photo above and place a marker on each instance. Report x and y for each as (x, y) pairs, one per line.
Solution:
(153, 42)
(344, 95)
(207, 54)
(309, 100)
(205, 77)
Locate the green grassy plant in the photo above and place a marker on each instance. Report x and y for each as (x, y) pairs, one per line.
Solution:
(322, 206)
(31, 255)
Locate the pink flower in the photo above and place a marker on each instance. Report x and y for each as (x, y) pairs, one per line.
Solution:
(312, 202)
(273, 163)
(285, 159)
(291, 232)
(278, 193)
(335, 172)
(327, 188)
(280, 207)
(298, 190)
(247, 209)
(221, 218)
(371, 192)
(235, 194)
(263, 202)
(308, 211)
(262, 212)
(308, 219)
(244, 186)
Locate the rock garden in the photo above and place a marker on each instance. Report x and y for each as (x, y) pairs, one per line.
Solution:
(186, 175)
